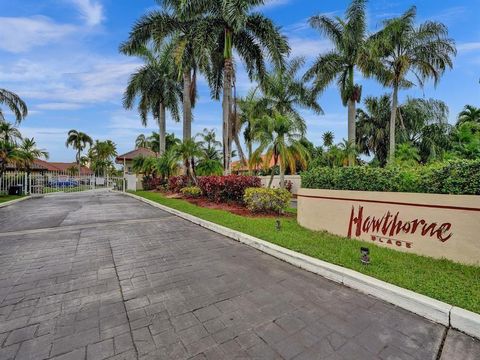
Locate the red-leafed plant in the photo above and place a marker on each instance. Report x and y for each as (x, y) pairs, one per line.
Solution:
(227, 188)
(176, 183)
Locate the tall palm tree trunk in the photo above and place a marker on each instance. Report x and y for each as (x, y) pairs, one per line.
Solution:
(227, 102)
(351, 129)
(187, 106)
(275, 161)
(282, 176)
(162, 129)
(79, 163)
(393, 117)
(240, 150)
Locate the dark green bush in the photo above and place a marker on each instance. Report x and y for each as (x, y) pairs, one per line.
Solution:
(454, 177)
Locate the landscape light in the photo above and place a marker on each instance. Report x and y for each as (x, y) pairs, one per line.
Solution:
(278, 226)
(365, 259)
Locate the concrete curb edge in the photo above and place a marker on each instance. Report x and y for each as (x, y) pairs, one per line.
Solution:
(429, 308)
(11, 202)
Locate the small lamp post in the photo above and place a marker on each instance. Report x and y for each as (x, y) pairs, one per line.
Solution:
(365, 258)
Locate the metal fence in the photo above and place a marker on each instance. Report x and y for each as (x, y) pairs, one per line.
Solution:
(36, 183)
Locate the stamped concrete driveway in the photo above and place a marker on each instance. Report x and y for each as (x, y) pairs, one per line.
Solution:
(101, 275)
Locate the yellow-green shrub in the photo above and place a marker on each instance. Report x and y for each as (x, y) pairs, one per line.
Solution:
(191, 191)
(266, 200)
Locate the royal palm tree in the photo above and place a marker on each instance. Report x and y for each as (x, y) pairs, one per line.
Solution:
(469, 113)
(280, 138)
(142, 142)
(372, 127)
(79, 141)
(14, 103)
(9, 133)
(403, 49)
(327, 138)
(349, 38)
(155, 87)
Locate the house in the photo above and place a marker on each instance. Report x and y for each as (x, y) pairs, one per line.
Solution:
(42, 166)
(127, 159)
(242, 169)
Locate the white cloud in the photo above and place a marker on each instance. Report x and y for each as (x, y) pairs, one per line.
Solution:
(468, 46)
(309, 48)
(274, 3)
(58, 106)
(20, 34)
(90, 10)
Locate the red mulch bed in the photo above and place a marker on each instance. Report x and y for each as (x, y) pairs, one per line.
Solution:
(233, 208)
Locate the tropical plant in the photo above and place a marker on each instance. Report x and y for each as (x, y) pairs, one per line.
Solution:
(28, 152)
(279, 137)
(372, 128)
(8, 154)
(9, 133)
(401, 49)
(168, 163)
(101, 155)
(234, 25)
(14, 103)
(327, 138)
(79, 141)
(155, 85)
(469, 113)
(466, 140)
(349, 38)
(188, 151)
(407, 155)
(142, 142)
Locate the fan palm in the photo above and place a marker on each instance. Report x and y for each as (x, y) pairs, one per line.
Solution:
(469, 113)
(349, 53)
(155, 85)
(79, 141)
(14, 103)
(372, 127)
(402, 48)
(9, 133)
(280, 138)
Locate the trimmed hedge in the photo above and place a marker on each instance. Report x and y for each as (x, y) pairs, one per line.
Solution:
(227, 188)
(267, 200)
(453, 177)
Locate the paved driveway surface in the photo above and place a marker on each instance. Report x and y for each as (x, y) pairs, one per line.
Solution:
(101, 275)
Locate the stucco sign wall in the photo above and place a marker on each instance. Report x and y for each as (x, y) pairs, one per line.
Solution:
(427, 224)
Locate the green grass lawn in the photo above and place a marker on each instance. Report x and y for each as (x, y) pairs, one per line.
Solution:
(444, 280)
(5, 198)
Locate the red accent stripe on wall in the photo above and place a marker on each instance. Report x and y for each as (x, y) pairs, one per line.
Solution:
(393, 203)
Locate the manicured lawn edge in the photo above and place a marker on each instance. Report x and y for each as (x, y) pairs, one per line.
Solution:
(426, 306)
(15, 199)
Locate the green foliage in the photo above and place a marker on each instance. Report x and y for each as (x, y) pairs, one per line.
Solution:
(191, 191)
(267, 200)
(453, 177)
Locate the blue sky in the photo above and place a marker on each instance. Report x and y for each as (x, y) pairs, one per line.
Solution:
(61, 57)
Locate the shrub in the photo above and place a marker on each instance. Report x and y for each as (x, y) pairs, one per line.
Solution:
(177, 183)
(453, 177)
(227, 188)
(151, 183)
(288, 185)
(191, 191)
(266, 200)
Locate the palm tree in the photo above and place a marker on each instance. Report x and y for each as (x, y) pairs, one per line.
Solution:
(469, 113)
(155, 85)
(188, 36)
(208, 139)
(349, 40)
(168, 163)
(407, 155)
(142, 142)
(79, 141)
(28, 152)
(402, 48)
(280, 138)
(327, 138)
(348, 150)
(171, 141)
(101, 155)
(14, 103)
(372, 127)
(210, 160)
(235, 26)
(188, 151)
(9, 133)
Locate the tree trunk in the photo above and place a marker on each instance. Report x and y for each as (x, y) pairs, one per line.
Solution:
(282, 176)
(393, 120)
(187, 106)
(240, 150)
(273, 172)
(227, 128)
(351, 129)
(162, 129)
(79, 163)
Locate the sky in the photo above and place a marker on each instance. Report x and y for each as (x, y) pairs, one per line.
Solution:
(61, 57)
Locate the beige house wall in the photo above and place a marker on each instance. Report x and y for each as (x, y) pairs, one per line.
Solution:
(440, 226)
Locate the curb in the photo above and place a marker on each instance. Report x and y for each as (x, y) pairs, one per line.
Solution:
(11, 202)
(429, 308)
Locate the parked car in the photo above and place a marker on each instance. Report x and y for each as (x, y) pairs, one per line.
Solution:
(62, 183)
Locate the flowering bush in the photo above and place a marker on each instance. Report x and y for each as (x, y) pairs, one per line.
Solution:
(191, 191)
(177, 183)
(227, 188)
(266, 200)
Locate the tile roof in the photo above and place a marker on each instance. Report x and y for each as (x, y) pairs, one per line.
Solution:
(134, 153)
